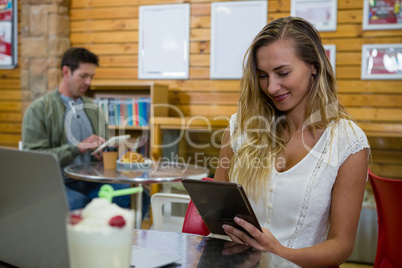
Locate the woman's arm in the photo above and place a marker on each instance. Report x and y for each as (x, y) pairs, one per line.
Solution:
(225, 155)
(347, 198)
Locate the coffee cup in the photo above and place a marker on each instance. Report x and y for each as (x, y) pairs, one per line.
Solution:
(110, 155)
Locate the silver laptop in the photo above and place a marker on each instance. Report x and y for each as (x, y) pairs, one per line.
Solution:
(33, 208)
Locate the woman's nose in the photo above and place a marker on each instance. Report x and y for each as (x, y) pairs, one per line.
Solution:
(273, 86)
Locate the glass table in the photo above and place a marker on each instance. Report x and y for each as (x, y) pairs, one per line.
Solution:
(157, 172)
(205, 252)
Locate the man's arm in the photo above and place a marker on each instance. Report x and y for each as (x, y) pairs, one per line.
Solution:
(36, 133)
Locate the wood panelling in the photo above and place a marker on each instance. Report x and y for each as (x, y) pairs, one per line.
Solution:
(10, 95)
(110, 29)
(10, 128)
(11, 102)
(9, 83)
(104, 25)
(113, 49)
(373, 86)
(127, 11)
(14, 106)
(7, 117)
(102, 37)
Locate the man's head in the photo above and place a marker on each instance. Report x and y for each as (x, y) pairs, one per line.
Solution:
(77, 68)
(76, 55)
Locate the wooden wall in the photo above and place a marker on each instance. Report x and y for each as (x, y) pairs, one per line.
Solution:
(11, 103)
(110, 29)
(10, 108)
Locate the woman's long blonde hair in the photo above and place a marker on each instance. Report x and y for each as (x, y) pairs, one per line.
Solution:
(258, 118)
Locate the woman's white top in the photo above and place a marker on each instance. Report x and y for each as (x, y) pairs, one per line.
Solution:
(299, 199)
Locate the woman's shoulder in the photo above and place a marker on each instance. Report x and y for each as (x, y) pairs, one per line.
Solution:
(348, 128)
(351, 138)
(233, 123)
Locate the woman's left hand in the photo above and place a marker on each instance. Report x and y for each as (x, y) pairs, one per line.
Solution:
(263, 241)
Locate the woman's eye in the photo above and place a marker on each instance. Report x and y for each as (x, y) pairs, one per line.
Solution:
(284, 74)
(262, 76)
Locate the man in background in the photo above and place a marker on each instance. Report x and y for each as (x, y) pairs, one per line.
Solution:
(69, 125)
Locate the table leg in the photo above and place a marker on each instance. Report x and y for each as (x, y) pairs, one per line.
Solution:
(138, 210)
(136, 205)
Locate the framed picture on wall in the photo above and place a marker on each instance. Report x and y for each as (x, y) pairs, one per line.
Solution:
(163, 49)
(382, 61)
(321, 13)
(233, 28)
(330, 50)
(8, 34)
(382, 14)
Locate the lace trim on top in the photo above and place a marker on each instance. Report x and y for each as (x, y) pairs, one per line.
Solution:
(307, 196)
(357, 145)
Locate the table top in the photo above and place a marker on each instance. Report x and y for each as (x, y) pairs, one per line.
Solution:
(158, 172)
(200, 251)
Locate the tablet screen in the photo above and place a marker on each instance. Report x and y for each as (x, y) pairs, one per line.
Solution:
(219, 202)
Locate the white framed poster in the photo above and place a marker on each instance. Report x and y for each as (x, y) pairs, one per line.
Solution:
(381, 61)
(233, 28)
(382, 14)
(321, 13)
(330, 50)
(163, 49)
(8, 34)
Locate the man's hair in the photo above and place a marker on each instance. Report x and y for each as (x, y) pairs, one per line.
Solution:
(76, 55)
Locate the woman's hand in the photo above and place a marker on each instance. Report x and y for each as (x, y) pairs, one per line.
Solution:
(263, 241)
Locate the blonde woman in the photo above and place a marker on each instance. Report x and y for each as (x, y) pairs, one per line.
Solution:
(298, 154)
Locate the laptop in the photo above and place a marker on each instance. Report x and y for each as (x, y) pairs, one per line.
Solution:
(33, 209)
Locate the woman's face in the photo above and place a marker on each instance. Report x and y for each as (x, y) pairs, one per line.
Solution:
(283, 77)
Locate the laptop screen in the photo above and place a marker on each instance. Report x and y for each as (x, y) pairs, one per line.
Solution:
(33, 208)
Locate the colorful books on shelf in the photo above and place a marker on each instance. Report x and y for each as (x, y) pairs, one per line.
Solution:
(126, 112)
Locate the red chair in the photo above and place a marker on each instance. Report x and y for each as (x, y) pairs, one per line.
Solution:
(193, 223)
(388, 197)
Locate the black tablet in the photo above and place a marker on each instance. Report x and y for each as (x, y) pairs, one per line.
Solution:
(219, 202)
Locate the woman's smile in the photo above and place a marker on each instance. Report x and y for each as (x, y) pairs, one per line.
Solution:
(281, 97)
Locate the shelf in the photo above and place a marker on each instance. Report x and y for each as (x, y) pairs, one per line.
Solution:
(157, 94)
(129, 128)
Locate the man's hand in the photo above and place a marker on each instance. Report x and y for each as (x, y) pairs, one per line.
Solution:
(91, 143)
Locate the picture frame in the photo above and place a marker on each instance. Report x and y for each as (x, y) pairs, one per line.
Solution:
(163, 43)
(381, 15)
(8, 34)
(321, 13)
(330, 50)
(381, 61)
(234, 25)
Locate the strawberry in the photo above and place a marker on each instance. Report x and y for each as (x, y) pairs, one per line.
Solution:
(75, 219)
(117, 221)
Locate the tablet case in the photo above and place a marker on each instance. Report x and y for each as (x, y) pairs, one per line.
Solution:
(219, 202)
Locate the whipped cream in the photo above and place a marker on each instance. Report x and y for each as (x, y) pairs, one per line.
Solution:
(97, 214)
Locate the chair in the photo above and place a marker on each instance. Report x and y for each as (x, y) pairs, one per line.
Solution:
(192, 222)
(167, 222)
(388, 197)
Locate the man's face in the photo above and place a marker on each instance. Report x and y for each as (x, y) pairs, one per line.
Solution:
(79, 81)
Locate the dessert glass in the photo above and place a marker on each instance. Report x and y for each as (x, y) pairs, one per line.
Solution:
(100, 243)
